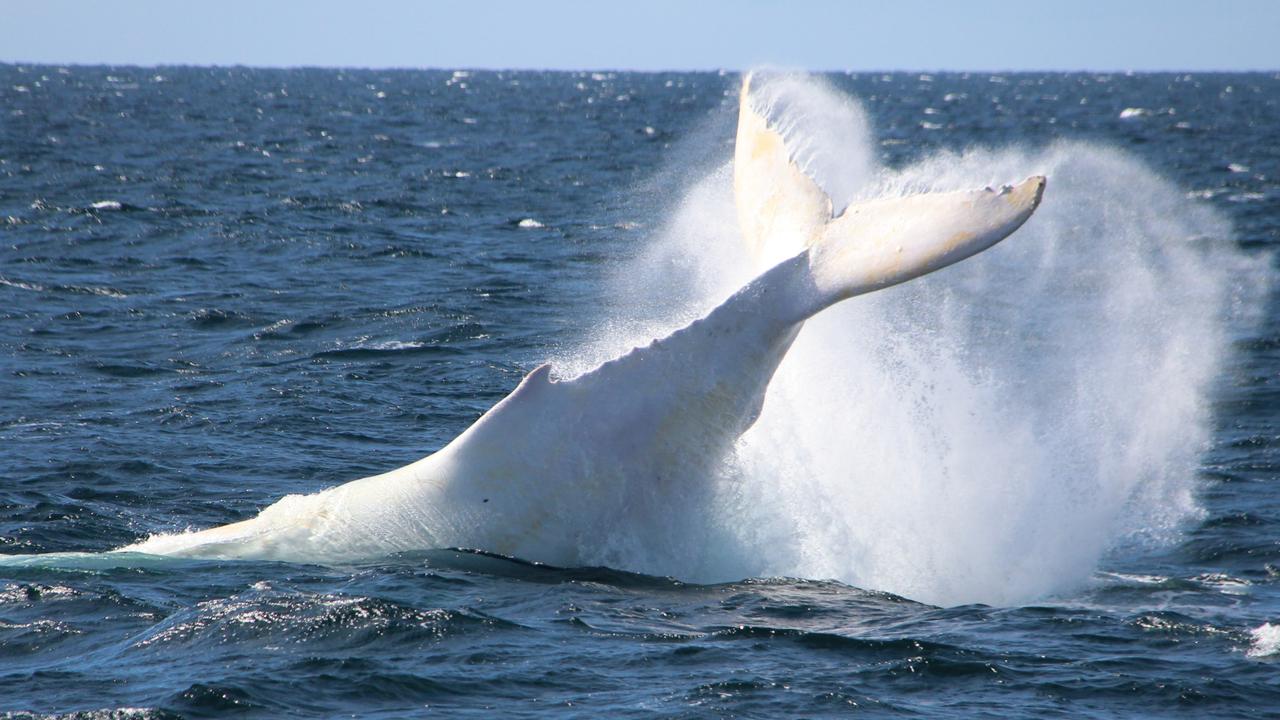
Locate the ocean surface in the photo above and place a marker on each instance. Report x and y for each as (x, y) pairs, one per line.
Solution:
(1043, 483)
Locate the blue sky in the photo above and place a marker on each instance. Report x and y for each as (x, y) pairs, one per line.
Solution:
(652, 34)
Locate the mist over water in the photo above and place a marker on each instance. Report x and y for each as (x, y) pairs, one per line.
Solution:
(985, 434)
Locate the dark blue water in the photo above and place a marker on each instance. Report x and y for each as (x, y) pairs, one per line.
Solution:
(220, 286)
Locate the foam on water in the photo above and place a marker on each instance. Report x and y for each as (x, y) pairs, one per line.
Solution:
(985, 434)
(1266, 641)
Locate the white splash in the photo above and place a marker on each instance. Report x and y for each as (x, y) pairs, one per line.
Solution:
(1266, 641)
(982, 435)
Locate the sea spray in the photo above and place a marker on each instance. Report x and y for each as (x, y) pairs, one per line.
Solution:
(985, 434)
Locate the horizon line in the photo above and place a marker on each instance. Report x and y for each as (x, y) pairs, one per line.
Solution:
(654, 71)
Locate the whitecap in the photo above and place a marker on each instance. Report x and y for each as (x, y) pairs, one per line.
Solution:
(107, 205)
(1132, 112)
(1224, 583)
(272, 329)
(1238, 168)
(1247, 197)
(530, 223)
(1266, 640)
(34, 287)
(1136, 578)
(94, 290)
(394, 345)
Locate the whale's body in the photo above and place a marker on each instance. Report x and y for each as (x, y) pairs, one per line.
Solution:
(556, 463)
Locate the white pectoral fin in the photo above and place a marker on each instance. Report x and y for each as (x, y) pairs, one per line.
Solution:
(891, 240)
(781, 210)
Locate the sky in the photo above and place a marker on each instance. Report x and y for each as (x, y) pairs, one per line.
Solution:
(651, 34)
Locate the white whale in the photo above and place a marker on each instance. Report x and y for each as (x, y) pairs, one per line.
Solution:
(549, 469)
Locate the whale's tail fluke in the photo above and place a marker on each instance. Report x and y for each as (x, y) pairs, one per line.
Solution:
(884, 242)
(782, 211)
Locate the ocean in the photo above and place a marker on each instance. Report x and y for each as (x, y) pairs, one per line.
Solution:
(1041, 483)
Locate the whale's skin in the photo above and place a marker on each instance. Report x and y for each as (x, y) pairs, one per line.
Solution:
(556, 463)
